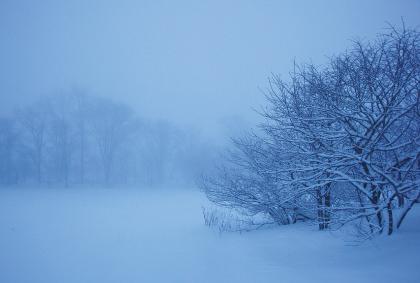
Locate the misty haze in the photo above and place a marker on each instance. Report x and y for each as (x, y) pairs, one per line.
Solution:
(221, 141)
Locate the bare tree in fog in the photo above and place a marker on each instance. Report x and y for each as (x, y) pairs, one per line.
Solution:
(65, 138)
(8, 143)
(161, 153)
(34, 122)
(62, 135)
(194, 155)
(80, 116)
(160, 141)
(111, 127)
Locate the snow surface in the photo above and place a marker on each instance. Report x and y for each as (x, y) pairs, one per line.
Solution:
(158, 235)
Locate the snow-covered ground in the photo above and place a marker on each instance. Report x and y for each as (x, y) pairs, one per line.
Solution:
(145, 235)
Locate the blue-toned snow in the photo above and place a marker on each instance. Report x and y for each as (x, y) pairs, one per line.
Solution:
(158, 235)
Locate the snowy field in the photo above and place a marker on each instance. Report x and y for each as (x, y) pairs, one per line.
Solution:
(145, 235)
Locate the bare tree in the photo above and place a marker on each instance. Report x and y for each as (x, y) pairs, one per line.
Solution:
(34, 120)
(81, 115)
(110, 124)
(62, 135)
(9, 138)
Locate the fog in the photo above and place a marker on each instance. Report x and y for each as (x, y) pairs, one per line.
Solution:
(187, 70)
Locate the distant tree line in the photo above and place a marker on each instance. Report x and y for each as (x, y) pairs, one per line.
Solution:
(340, 145)
(74, 138)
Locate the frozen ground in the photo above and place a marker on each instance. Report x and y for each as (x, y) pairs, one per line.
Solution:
(144, 235)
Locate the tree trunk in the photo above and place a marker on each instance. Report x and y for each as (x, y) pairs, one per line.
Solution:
(327, 215)
(390, 220)
(320, 209)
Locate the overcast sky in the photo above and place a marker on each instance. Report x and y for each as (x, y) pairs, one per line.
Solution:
(196, 63)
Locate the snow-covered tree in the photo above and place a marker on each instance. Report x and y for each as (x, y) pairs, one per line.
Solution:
(341, 142)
